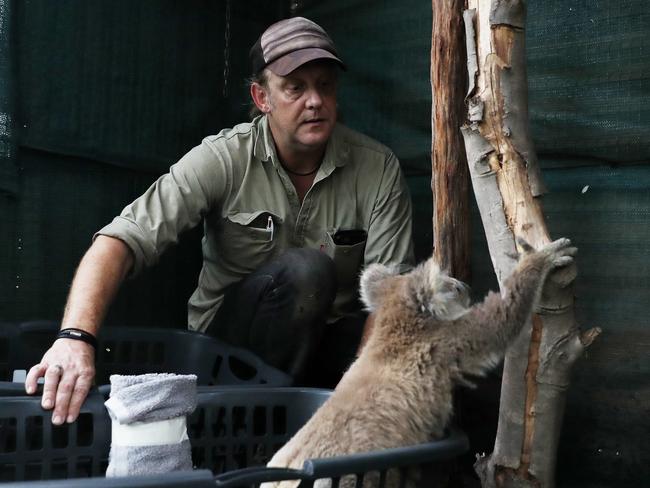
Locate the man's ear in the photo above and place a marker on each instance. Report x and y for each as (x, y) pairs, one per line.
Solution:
(260, 97)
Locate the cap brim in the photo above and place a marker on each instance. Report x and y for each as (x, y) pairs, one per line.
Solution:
(289, 62)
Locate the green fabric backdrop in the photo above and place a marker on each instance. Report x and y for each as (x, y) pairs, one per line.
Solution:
(8, 169)
(97, 98)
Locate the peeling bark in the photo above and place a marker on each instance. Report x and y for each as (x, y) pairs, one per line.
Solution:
(507, 184)
(470, 47)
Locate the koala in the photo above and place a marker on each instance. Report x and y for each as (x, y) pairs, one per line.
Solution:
(426, 338)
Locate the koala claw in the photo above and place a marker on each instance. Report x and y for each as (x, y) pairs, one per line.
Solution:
(561, 247)
(560, 252)
(558, 244)
(560, 261)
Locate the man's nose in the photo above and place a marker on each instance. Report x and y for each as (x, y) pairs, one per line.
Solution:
(314, 99)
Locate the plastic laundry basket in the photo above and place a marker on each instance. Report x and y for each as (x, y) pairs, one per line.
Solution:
(31, 448)
(181, 479)
(233, 433)
(138, 350)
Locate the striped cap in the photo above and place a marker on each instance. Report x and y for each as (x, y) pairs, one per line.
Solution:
(290, 43)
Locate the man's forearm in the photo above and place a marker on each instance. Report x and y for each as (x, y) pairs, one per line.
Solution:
(98, 277)
(68, 366)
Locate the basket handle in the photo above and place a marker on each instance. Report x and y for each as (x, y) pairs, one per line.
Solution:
(14, 388)
(454, 444)
(47, 326)
(258, 474)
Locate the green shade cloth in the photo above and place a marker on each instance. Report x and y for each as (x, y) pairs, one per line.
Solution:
(135, 84)
(589, 79)
(107, 95)
(8, 168)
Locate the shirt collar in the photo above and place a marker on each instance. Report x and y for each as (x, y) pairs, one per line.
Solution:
(337, 152)
(264, 148)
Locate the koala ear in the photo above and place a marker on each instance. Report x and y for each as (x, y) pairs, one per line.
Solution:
(371, 282)
(426, 277)
(432, 292)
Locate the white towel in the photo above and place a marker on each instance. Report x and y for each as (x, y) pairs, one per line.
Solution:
(149, 432)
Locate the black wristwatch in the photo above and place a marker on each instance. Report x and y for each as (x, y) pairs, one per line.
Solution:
(77, 335)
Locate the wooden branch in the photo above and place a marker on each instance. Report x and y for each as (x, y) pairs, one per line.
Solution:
(450, 176)
(507, 185)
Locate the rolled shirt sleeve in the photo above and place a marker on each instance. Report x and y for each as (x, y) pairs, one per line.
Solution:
(176, 202)
(390, 228)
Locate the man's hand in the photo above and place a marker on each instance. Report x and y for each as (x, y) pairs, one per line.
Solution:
(69, 369)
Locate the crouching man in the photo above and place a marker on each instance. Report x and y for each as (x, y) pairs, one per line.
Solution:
(293, 206)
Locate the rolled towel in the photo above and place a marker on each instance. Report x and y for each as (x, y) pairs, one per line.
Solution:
(148, 414)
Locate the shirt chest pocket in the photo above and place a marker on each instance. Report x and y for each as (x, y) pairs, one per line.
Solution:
(248, 239)
(346, 248)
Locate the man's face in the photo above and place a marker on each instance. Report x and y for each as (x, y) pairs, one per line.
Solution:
(302, 106)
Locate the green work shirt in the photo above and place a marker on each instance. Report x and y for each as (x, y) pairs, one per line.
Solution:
(251, 212)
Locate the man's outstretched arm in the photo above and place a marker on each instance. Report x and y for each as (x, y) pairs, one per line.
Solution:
(69, 365)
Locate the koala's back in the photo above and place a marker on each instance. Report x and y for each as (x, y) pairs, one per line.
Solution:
(374, 407)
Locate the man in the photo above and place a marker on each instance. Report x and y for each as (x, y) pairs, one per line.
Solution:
(293, 206)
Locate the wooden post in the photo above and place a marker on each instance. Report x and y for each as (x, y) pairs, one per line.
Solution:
(450, 176)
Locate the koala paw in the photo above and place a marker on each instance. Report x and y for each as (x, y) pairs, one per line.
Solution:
(560, 252)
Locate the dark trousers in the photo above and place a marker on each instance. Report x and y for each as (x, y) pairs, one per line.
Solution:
(279, 313)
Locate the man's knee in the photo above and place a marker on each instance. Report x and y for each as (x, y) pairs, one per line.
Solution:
(307, 278)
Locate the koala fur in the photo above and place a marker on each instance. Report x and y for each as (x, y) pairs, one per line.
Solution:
(425, 339)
